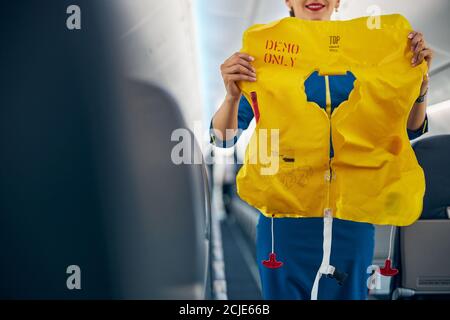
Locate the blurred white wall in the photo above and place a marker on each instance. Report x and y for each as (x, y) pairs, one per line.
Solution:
(159, 38)
(439, 119)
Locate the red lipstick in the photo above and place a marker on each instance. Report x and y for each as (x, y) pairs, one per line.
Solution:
(315, 6)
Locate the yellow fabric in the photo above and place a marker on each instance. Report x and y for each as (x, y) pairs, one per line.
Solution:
(375, 176)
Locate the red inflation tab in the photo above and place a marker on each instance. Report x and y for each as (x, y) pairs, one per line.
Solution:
(387, 270)
(272, 263)
(255, 105)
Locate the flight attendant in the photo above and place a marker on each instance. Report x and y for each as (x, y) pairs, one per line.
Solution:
(298, 241)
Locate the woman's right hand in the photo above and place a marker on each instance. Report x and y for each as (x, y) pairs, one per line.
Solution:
(237, 68)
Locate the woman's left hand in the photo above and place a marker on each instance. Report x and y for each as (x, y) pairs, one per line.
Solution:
(421, 52)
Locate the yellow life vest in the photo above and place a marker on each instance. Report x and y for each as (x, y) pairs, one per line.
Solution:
(374, 175)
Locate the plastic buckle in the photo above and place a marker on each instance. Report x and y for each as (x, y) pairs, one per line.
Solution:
(340, 277)
(328, 270)
(328, 213)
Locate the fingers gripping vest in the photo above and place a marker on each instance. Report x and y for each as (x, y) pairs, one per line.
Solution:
(374, 175)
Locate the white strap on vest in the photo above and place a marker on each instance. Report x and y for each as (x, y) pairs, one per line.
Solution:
(325, 267)
(391, 238)
(273, 245)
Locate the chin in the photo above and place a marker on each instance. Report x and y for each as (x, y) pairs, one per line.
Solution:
(316, 18)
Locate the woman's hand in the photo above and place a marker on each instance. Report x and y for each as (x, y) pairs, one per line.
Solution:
(237, 68)
(421, 52)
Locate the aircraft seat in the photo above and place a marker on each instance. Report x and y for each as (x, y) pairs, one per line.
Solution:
(424, 246)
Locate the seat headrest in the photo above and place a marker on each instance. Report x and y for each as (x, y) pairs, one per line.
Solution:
(433, 154)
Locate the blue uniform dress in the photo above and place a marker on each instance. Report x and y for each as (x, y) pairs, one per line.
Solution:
(298, 241)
